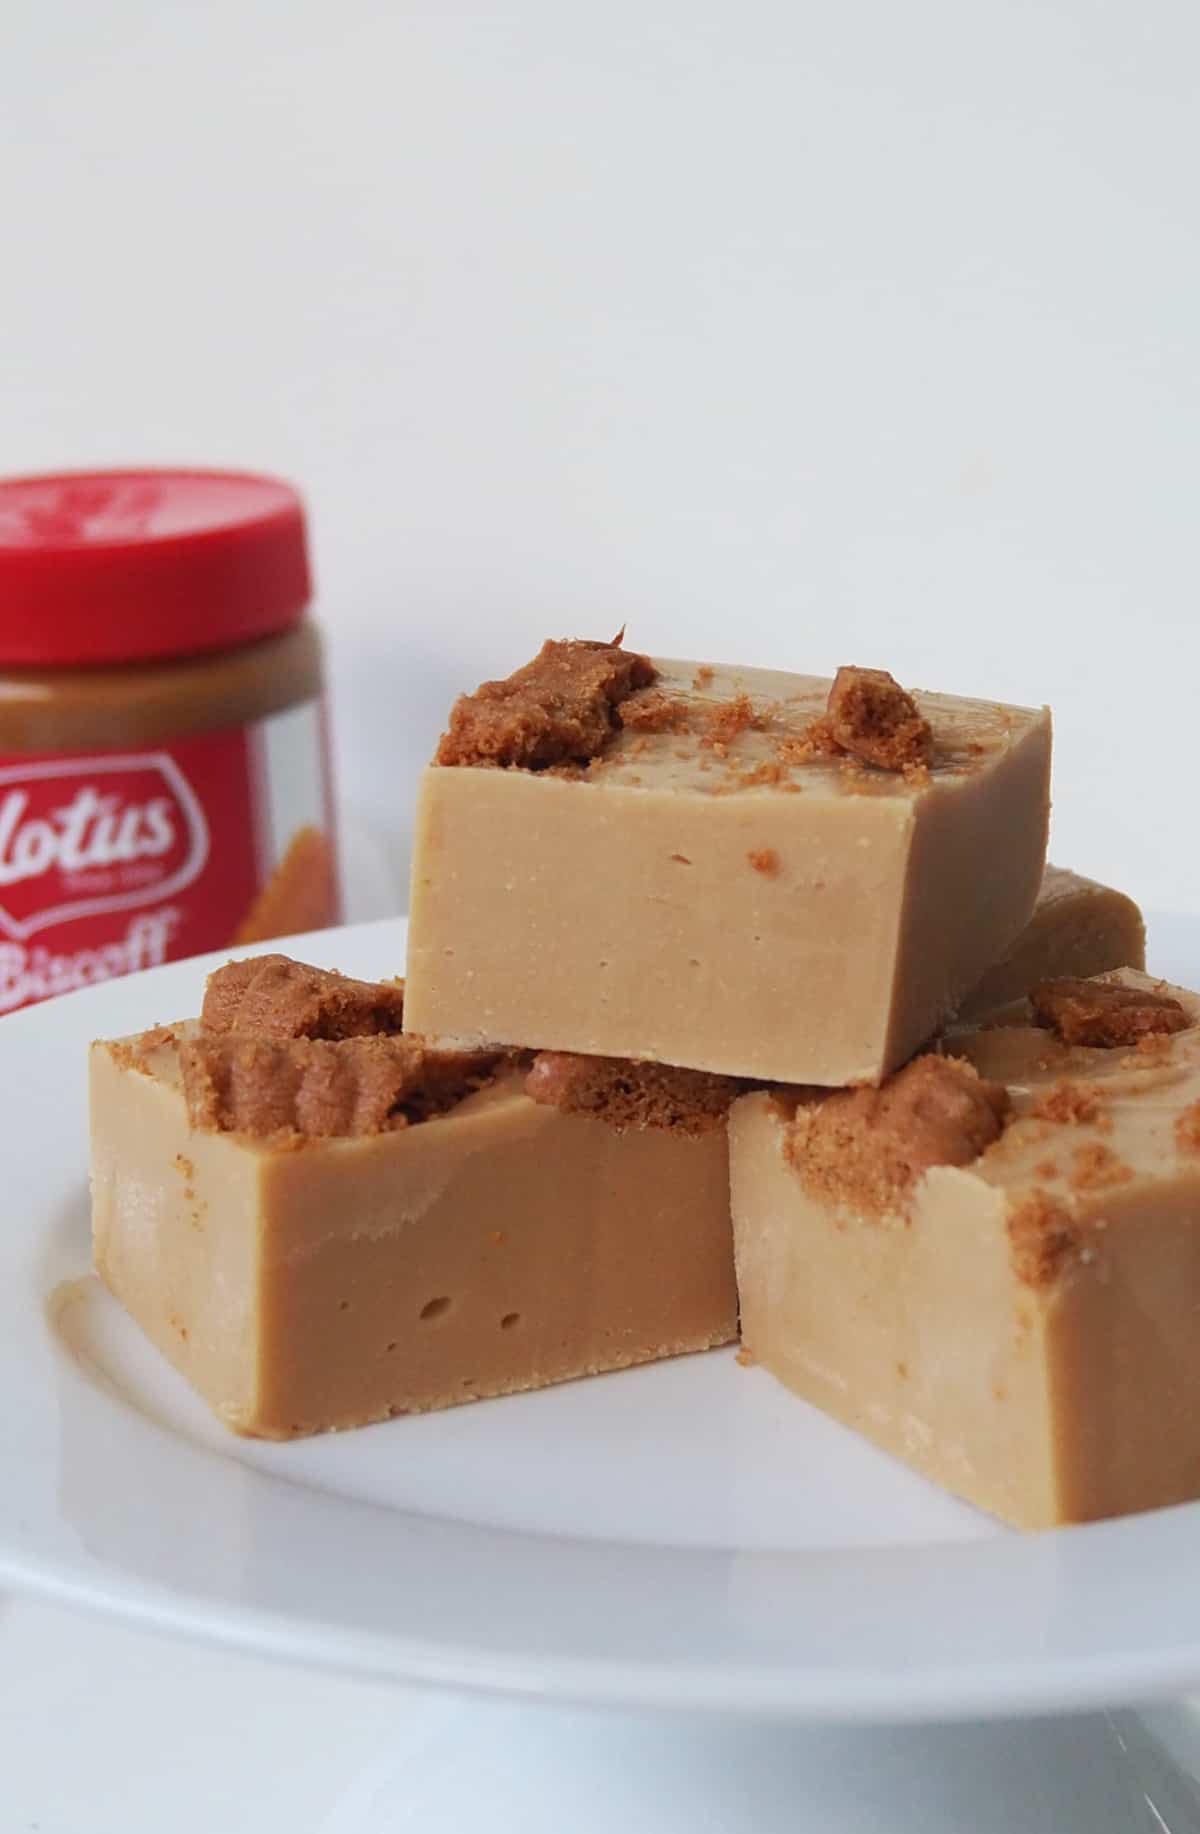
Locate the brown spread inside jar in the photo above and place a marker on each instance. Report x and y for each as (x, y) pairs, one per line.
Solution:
(87, 709)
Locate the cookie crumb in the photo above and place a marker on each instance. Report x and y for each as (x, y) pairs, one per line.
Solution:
(764, 860)
(629, 1095)
(1072, 1104)
(650, 710)
(768, 771)
(276, 997)
(1095, 1167)
(561, 708)
(287, 1050)
(1103, 1014)
(873, 718)
(317, 1088)
(1187, 1129)
(1043, 1237)
(866, 1148)
(728, 720)
(816, 741)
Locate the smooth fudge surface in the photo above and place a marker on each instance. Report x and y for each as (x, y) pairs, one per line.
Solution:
(991, 1266)
(711, 878)
(318, 1235)
(1078, 927)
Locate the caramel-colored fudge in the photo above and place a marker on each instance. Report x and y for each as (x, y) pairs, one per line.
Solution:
(1077, 927)
(321, 1223)
(756, 874)
(991, 1266)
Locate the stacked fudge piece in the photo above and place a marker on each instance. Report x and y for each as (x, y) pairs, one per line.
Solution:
(666, 916)
(739, 871)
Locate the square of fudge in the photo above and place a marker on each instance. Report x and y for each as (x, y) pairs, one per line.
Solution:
(991, 1266)
(1078, 927)
(321, 1223)
(756, 874)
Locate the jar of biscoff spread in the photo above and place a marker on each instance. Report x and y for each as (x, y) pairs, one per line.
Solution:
(164, 758)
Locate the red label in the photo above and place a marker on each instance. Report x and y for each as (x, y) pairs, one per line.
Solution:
(83, 838)
(110, 862)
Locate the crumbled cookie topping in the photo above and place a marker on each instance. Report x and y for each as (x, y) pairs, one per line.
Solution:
(1072, 1104)
(1187, 1129)
(768, 773)
(139, 1053)
(320, 1088)
(728, 720)
(873, 718)
(561, 708)
(1103, 1014)
(650, 710)
(1094, 1167)
(275, 997)
(1148, 1053)
(817, 741)
(1043, 1237)
(285, 1049)
(866, 1148)
(632, 1095)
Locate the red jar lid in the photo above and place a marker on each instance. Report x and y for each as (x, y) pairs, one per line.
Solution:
(126, 566)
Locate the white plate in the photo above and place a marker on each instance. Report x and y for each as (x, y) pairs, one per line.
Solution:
(685, 1535)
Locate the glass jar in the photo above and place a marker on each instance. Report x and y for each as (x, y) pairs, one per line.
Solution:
(164, 753)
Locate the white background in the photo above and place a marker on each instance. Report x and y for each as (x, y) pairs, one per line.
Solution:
(837, 330)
